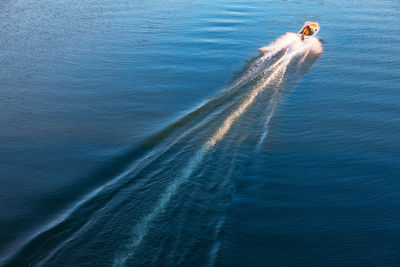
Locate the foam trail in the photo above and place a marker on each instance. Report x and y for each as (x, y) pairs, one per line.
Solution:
(227, 124)
(268, 52)
(276, 74)
(284, 41)
(274, 102)
(142, 227)
(310, 46)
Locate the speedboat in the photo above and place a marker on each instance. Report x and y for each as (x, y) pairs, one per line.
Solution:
(309, 29)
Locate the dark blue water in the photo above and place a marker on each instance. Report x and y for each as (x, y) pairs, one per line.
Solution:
(156, 133)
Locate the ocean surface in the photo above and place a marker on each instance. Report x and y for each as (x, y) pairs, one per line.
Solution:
(156, 133)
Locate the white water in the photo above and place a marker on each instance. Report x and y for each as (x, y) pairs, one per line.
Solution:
(272, 77)
(273, 105)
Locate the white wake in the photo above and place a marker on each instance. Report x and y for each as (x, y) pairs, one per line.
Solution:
(271, 77)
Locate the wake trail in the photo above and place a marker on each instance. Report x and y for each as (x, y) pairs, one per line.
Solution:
(268, 53)
(274, 105)
(271, 75)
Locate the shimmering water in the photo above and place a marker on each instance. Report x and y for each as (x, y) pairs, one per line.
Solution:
(155, 132)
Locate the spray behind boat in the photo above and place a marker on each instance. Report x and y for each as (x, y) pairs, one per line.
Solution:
(266, 73)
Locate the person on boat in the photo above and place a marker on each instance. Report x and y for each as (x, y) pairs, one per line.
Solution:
(307, 31)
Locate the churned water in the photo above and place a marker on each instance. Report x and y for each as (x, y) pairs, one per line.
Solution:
(199, 133)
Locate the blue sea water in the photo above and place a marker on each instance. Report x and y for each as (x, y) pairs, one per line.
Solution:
(156, 133)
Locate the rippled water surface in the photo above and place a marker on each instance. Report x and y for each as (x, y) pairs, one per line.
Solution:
(156, 133)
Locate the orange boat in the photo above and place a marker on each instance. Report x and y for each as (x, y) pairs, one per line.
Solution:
(309, 29)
